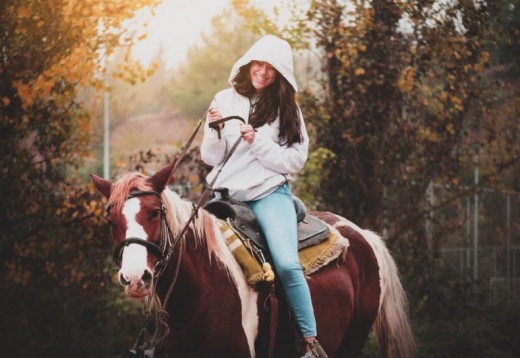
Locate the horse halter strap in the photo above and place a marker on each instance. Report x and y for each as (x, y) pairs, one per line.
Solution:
(166, 237)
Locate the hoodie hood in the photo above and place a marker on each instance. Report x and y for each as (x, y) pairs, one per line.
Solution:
(271, 49)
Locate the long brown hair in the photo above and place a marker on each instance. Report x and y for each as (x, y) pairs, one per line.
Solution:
(277, 99)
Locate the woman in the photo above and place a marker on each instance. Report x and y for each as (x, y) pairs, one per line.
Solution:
(274, 146)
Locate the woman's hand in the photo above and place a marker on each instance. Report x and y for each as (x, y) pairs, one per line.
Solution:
(248, 132)
(214, 115)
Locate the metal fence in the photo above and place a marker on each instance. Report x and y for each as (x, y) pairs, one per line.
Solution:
(499, 266)
(483, 242)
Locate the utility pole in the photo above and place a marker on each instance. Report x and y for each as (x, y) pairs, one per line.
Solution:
(128, 41)
(106, 109)
(106, 132)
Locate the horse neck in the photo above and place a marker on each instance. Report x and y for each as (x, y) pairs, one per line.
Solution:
(198, 278)
(200, 268)
(199, 250)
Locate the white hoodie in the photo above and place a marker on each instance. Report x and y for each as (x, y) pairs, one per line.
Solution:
(255, 169)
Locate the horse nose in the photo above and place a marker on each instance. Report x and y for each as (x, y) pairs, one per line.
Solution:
(123, 281)
(146, 279)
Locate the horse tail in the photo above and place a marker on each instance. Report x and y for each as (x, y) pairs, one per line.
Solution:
(392, 326)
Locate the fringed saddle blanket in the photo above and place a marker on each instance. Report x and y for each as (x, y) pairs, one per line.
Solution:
(312, 258)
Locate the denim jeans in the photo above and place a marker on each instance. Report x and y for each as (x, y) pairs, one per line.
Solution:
(277, 219)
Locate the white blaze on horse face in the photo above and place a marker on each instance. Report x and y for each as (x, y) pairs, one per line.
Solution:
(134, 258)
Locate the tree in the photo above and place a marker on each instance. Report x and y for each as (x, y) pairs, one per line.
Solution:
(55, 268)
(411, 100)
(404, 84)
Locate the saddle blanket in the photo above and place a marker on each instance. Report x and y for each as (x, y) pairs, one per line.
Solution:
(312, 258)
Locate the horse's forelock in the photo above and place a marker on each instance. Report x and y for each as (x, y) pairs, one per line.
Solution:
(122, 188)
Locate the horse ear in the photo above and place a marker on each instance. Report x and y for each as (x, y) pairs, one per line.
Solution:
(160, 179)
(102, 185)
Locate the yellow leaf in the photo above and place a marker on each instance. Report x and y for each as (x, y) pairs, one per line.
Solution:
(484, 56)
(359, 71)
(450, 129)
(24, 12)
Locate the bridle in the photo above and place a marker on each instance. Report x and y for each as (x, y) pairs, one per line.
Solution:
(163, 251)
(166, 236)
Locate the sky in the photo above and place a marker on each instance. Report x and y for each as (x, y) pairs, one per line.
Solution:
(177, 25)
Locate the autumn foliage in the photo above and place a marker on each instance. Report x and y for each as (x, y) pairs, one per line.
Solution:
(406, 95)
(56, 275)
(414, 95)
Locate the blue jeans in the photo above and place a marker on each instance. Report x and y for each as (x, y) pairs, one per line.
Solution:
(277, 219)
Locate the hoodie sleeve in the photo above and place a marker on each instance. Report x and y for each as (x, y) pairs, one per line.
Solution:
(212, 149)
(280, 158)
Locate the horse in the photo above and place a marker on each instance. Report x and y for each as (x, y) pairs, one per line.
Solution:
(168, 251)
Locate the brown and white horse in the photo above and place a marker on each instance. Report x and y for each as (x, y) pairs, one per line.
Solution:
(213, 312)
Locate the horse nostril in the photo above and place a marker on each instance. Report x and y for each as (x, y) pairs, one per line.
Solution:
(123, 281)
(147, 277)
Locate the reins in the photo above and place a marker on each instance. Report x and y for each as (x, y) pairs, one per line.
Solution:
(164, 251)
(199, 204)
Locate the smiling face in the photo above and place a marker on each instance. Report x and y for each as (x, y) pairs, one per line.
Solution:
(262, 75)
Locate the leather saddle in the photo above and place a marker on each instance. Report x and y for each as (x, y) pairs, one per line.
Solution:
(311, 230)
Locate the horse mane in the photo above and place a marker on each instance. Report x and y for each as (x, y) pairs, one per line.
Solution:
(178, 210)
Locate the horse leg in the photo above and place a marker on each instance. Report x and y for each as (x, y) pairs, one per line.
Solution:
(355, 339)
(363, 317)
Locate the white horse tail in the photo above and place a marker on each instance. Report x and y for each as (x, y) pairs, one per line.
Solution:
(392, 326)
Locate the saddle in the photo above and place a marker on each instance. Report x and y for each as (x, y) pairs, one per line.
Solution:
(311, 230)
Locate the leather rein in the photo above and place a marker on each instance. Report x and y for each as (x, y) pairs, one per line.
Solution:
(158, 322)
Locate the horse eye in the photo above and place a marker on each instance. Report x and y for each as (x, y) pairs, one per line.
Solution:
(154, 214)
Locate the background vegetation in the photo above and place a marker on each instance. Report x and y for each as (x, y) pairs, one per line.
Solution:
(407, 103)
